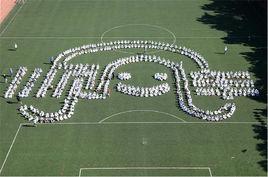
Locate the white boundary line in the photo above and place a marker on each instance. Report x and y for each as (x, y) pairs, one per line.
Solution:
(210, 172)
(141, 110)
(129, 176)
(14, 139)
(115, 37)
(146, 168)
(12, 19)
(97, 123)
(179, 122)
(82, 37)
(106, 0)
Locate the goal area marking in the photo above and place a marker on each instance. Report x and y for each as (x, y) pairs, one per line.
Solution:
(146, 168)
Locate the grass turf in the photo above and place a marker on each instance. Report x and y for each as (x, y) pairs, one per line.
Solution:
(45, 28)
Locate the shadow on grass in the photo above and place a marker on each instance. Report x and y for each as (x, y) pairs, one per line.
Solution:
(245, 22)
(12, 102)
(47, 63)
(29, 125)
(261, 134)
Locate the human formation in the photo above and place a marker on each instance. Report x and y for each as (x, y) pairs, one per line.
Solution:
(160, 76)
(84, 86)
(15, 82)
(143, 91)
(35, 115)
(124, 76)
(186, 102)
(30, 84)
(225, 84)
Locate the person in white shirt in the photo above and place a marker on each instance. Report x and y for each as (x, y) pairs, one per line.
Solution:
(15, 46)
(35, 121)
(10, 71)
(225, 49)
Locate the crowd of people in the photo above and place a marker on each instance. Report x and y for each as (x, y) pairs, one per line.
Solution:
(186, 102)
(62, 83)
(47, 82)
(227, 93)
(129, 44)
(143, 91)
(35, 115)
(92, 77)
(111, 67)
(30, 84)
(92, 95)
(80, 72)
(224, 84)
(124, 76)
(15, 82)
(161, 76)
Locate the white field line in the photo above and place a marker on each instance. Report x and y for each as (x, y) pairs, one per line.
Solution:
(179, 123)
(110, 0)
(14, 139)
(103, 123)
(140, 24)
(129, 111)
(146, 168)
(82, 37)
(107, 0)
(117, 37)
(129, 176)
(210, 172)
(12, 19)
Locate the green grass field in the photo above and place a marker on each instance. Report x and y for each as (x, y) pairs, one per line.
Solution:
(136, 136)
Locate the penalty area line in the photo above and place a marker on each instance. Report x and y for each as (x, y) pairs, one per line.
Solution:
(103, 123)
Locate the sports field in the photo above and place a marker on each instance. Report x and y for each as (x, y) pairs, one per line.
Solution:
(126, 135)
